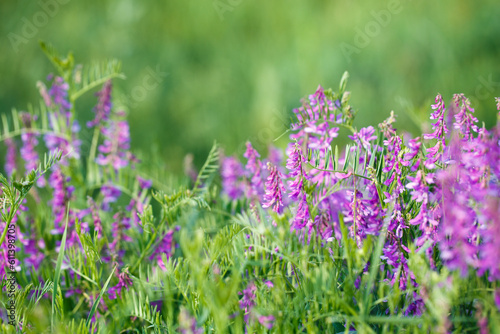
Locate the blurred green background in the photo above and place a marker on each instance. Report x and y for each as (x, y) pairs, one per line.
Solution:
(232, 70)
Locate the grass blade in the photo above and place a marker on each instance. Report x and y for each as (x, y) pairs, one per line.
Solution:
(98, 300)
(58, 271)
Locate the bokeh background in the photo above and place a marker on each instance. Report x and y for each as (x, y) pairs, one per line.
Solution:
(232, 70)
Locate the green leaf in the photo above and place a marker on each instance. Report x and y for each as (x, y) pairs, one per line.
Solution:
(343, 82)
(208, 171)
(64, 66)
(96, 74)
(98, 300)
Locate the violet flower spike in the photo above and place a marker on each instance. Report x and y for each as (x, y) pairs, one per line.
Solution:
(120, 225)
(302, 216)
(232, 174)
(364, 137)
(267, 321)
(95, 216)
(440, 129)
(61, 195)
(187, 323)
(295, 163)
(458, 249)
(45, 95)
(124, 281)
(254, 168)
(464, 119)
(274, 189)
(414, 149)
(103, 108)
(114, 152)
(10, 157)
(59, 94)
(424, 219)
(110, 195)
(247, 303)
(28, 149)
(166, 247)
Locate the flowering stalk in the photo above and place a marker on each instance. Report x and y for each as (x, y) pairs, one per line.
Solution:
(440, 129)
(274, 190)
(464, 119)
(254, 170)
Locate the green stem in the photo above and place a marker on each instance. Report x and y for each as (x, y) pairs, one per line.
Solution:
(93, 149)
(337, 171)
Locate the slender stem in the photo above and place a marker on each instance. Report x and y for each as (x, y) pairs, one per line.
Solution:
(33, 131)
(143, 254)
(96, 83)
(354, 208)
(93, 149)
(337, 171)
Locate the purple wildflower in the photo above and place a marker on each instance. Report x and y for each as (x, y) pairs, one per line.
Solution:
(393, 163)
(482, 320)
(103, 109)
(247, 303)
(110, 195)
(59, 95)
(45, 95)
(124, 281)
(120, 225)
(326, 222)
(28, 150)
(254, 170)
(5, 251)
(11, 156)
(295, 163)
(274, 189)
(321, 135)
(364, 137)
(424, 219)
(267, 321)
(392, 159)
(144, 184)
(269, 284)
(33, 249)
(458, 249)
(55, 141)
(95, 216)
(464, 118)
(416, 306)
(490, 248)
(440, 129)
(364, 212)
(187, 323)
(302, 217)
(414, 149)
(60, 197)
(231, 173)
(64, 135)
(136, 205)
(114, 151)
(314, 121)
(166, 247)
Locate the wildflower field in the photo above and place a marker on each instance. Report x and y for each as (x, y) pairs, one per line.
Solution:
(389, 233)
